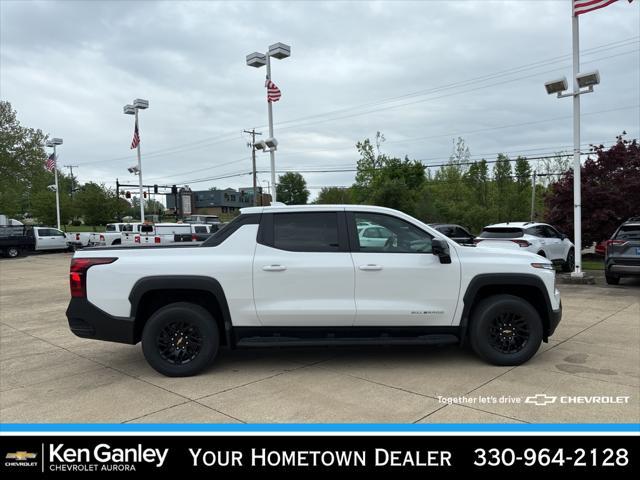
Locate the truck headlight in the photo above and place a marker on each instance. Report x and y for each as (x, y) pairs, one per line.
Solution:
(546, 266)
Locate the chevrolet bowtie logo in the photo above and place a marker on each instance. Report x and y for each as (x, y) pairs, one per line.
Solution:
(21, 456)
(541, 399)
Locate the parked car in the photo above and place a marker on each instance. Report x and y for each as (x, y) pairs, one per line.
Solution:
(208, 219)
(199, 233)
(159, 234)
(622, 256)
(14, 240)
(79, 239)
(299, 275)
(112, 234)
(371, 235)
(131, 235)
(534, 237)
(455, 232)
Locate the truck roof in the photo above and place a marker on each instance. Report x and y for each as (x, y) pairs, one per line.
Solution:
(304, 208)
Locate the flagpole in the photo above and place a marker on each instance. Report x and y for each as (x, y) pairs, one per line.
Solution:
(55, 173)
(577, 207)
(272, 152)
(140, 171)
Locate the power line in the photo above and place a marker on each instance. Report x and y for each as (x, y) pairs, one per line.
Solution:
(519, 69)
(243, 159)
(230, 135)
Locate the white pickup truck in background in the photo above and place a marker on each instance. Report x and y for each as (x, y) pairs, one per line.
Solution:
(159, 234)
(113, 234)
(48, 238)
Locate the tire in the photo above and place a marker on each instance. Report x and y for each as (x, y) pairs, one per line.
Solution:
(116, 242)
(570, 263)
(611, 279)
(177, 319)
(12, 252)
(494, 316)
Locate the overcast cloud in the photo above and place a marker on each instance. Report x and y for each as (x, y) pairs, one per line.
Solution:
(68, 67)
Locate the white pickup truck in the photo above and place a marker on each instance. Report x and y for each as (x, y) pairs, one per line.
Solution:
(159, 234)
(113, 234)
(298, 276)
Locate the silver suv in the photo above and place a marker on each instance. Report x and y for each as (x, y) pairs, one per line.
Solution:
(622, 254)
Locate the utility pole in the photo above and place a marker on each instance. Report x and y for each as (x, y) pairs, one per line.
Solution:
(71, 167)
(533, 194)
(253, 134)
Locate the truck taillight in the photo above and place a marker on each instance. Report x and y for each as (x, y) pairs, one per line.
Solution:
(157, 240)
(137, 239)
(78, 273)
(102, 238)
(194, 237)
(77, 237)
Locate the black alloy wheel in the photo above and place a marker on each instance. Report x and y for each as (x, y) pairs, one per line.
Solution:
(508, 333)
(179, 342)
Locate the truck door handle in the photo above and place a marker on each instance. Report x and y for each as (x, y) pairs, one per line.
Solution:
(370, 267)
(274, 268)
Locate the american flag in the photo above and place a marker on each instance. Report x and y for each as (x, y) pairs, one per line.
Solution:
(585, 6)
(136, 137)
(273, 92)
(50, 164)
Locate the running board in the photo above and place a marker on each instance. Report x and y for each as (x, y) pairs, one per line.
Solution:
(281, 341)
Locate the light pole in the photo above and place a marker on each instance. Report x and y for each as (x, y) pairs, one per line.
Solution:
(53, 143)
(138, 104)
(268, 188)
(257, 59)
(582, 83)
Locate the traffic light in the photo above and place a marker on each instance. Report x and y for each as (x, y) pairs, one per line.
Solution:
(145, 194)
(174, 190)
(155, 189)
(128, 194)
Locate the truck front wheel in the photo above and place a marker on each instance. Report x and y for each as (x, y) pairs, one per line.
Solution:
(505, 330)
(180, 339)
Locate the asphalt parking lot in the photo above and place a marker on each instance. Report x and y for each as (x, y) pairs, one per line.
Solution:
(49, 375)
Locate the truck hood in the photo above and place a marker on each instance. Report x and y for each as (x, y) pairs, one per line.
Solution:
(501, 254)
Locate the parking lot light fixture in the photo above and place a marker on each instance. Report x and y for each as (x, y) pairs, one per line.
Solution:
(256, 59)
(582, 83)
(53, 143)
(129, 109)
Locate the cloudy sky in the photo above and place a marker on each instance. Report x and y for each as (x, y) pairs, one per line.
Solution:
(421, 72)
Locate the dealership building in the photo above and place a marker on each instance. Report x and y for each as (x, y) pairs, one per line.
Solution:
(216, 202)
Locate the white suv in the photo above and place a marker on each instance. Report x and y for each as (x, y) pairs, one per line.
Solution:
(539, 238)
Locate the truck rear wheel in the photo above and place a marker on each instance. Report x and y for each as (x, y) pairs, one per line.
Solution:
(505, 330)
(180, 339)
(13, 252)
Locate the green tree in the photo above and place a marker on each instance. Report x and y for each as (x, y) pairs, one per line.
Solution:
(521, 196)
(96, 204)
(502, 188)
(292, 189)
(334, 195)
(22, 158)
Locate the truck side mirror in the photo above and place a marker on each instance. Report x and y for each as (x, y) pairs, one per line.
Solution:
(440, 248)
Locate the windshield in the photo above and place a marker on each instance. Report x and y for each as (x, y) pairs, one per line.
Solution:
(110, 227)
(629, 232)
(500, 232)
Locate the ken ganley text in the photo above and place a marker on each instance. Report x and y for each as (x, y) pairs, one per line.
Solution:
(262, 457)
